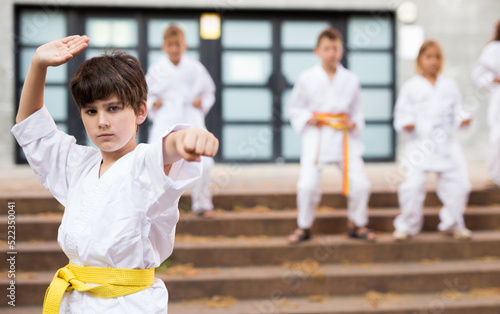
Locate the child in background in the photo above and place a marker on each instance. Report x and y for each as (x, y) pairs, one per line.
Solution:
(182, 91)
(486, 74)
(324, 109)
(429, 111)
(121, 199)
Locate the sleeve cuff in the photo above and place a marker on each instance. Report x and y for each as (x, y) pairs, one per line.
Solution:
(182, 173)
(34, 127)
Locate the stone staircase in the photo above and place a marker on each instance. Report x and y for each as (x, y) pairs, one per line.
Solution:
(240, 262)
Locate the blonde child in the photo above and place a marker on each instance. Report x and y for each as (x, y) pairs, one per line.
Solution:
(428, 112)
(182, 91)
(486, 74)
(324, 110)
(121, 199)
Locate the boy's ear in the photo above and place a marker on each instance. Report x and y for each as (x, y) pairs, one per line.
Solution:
(143, 112)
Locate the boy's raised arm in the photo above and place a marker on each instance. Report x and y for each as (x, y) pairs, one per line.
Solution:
(53, 53)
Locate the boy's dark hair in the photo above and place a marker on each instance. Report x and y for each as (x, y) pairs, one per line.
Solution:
(101, 77)
(330, 33)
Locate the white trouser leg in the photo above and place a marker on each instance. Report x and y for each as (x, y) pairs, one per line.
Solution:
(359, 192)
(308, 194)
(411, 196)
(453, 191)
(201, 193)
(494, 155)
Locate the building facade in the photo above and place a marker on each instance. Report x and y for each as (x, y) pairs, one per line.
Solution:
(262, 47)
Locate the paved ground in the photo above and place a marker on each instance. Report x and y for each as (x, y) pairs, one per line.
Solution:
(245, 178)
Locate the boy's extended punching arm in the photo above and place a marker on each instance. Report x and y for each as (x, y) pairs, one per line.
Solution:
(189, 144)
(53, 53)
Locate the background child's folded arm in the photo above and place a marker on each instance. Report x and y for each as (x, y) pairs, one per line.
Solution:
(298, 110)
(356, 115)
(207, 94)
(404, 115)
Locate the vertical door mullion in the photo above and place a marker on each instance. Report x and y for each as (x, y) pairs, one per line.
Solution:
(76, 25)
(142, 51)
(210, 56)
(276, 88)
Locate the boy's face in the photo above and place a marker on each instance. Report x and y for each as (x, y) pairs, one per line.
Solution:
(174, 47)
(329, 51)
(111, 125)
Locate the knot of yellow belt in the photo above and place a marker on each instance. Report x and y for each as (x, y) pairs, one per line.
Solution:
(339, 122)
(113, 282)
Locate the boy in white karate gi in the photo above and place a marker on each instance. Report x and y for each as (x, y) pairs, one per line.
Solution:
(486, 74)
(324, 110)
(428, 112)
(121, 199)
(182, 91)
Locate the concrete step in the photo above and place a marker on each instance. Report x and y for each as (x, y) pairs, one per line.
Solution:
(33, 203)
(44, 226)
(477, 301)
(331, 249)
(304, 279)
(485, 301)
(280, 223)
(254, 251)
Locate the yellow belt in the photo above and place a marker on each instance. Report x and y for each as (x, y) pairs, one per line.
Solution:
(114, 282)
(339, 122)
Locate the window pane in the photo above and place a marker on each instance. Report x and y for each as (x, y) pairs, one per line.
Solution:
(247, 142)
(247, 104)
(246, 67)
(157, 27)
(54, 74)
(91, 53)
(291, 143)
(369, 32)
(285, 98)
(294, 63)
(302, 35)
(247, 34)
(378, 141)
(155, 56)
(376, 103)
(372, 67)
(38, 27)
(55, 99)
(112, 32)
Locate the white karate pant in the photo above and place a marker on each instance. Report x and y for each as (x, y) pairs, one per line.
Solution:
(309, 193)
(453, 191)
(494, 154)
(201, 192)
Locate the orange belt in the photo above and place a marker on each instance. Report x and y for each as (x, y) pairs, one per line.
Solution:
(338, 122)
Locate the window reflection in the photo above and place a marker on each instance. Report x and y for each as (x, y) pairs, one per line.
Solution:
(301, 34)
(247, 34)
(247, 142)
(112, 32)
(247, 104)
(246, 67)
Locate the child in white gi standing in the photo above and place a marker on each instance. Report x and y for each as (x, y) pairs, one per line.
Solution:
(324, 109)
(121, 199)
(429, 111)
(182, 91)
(486, 74)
